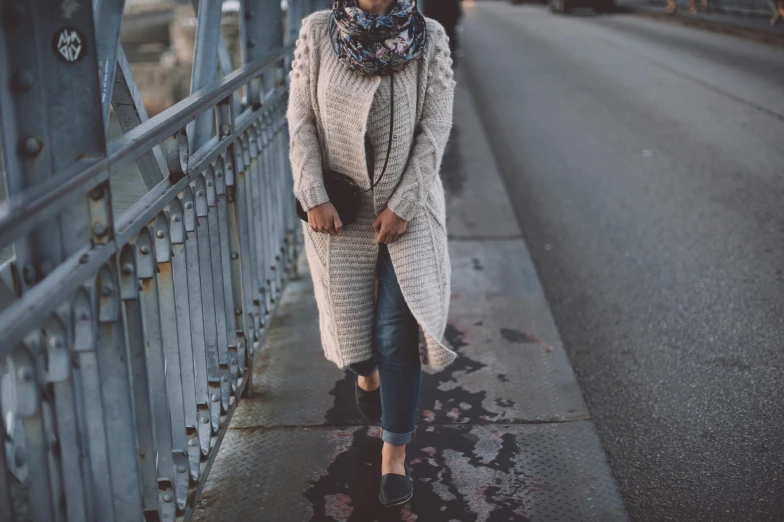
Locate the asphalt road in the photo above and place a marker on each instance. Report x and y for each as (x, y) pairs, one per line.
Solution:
(645, 162)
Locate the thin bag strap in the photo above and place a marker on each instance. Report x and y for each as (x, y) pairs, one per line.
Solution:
(391, 127)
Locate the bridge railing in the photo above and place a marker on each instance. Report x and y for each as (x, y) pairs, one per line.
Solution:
(125, 345)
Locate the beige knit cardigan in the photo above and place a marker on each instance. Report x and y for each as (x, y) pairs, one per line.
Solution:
(328, 117)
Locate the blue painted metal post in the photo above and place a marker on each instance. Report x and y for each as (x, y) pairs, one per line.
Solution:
(205, 65)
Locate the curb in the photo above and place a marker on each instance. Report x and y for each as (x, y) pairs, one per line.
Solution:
(708, 25)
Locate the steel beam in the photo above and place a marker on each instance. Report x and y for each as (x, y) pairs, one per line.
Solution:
(108, 16)
(205, 65)
(131, 112)
(48, 118)
(261, 32)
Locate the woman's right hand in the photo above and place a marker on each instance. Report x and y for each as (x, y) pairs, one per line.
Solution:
(324, 218)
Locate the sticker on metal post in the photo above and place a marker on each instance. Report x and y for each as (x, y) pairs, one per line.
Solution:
(69, 44)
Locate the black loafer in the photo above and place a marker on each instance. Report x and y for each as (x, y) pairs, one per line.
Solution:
(368, 402)
(396, 489)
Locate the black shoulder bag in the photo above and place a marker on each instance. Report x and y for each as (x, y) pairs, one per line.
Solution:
(343, 192)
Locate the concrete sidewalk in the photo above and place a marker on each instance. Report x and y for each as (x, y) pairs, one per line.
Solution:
(503, 433)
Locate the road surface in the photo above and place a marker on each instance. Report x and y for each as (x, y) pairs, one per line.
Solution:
(645, 162)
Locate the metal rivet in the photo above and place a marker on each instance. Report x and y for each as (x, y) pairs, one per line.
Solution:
(96, 193)
(225, 129)
(99, 229)
(23, 80)
(231, 199)
(205, 420)
(199, 193)
(234, 255)
(251, 43)
(176, 219)
(144, 250)
(161, 234)
(56, 342)
(219, 174)
(84, 316)
(84, 259)
(31, 146)
(188, 205)
(214, 397)
(26, 374)
(209, 183)
(249, 14)
(181, 469)
(167, 497)
(238, 311)
(106, 290)
(225, 379)
(127, 269)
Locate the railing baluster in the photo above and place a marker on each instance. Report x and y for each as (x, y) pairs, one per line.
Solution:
(27, 378)
(90, 410)
(217, 281)
(6, 503)
(184, 333)
(250, 156)
(260, 218)
(157, 370)
(197, 321)
(267, 208)
(140, 385)
(50, 429)
(228, 288)
(239, 262)
(59, 375)
(171, 350)
(116, 395)
(208, 300)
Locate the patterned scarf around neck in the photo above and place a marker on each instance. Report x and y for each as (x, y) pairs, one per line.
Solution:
(377, 44)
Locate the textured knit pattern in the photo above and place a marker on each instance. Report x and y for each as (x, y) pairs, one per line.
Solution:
(329, 113)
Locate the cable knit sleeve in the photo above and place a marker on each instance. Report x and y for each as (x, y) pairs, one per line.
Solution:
(432, 132)
(305, 149)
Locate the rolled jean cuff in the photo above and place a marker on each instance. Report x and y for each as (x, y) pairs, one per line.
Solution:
(397, 439)
(364, 368)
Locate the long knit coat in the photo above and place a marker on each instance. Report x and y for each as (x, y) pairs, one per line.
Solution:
(328, 113)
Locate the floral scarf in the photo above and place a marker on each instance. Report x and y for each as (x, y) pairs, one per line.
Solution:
(377, 44)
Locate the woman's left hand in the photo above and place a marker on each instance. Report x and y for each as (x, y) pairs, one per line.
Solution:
(389, 226)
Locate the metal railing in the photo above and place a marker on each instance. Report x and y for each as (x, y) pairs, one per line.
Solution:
(125, 345)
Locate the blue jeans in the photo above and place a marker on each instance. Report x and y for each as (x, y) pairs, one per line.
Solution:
(396, 350)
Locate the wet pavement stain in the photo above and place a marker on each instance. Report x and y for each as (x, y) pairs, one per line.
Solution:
(442, 398)
(478, 476)
(516, 336)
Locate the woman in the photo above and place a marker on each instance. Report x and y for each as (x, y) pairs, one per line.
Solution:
(364, 68)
